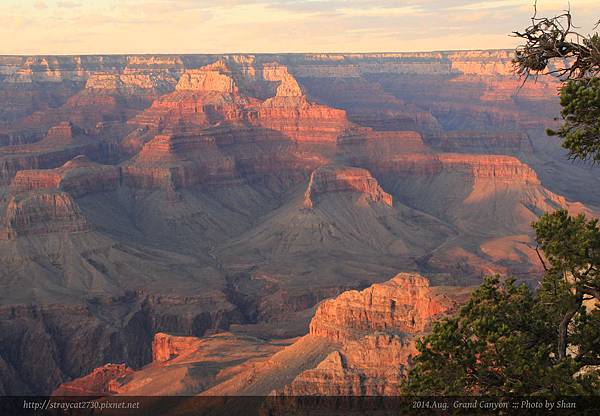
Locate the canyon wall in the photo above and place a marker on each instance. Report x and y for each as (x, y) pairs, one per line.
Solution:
(193, 194)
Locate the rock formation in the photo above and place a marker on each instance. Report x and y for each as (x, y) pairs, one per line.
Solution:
(179, 160)
(290, 112)
(215, 77)
(288, 86)
(202, 97)
(62, 143)
(376, 329)
(41, 213)
(98, 383)
(166, 347)
(78, 177)
(404, 304)
(329, 179)
(360, 343)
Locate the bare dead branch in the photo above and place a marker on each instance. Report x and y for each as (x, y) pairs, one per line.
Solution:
(555, 41)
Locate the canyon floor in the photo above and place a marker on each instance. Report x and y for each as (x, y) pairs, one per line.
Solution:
(260, 224)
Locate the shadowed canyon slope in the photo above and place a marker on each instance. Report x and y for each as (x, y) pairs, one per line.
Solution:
(217, 200)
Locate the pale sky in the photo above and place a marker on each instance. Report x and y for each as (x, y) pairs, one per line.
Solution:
(255, 26)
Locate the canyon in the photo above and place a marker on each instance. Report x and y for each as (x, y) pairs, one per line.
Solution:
(254, 224)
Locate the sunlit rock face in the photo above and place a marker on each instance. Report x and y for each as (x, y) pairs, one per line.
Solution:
(330, 179)
(376, 329)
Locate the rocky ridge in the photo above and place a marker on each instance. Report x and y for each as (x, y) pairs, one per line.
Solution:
(377, 329)
(366, 354)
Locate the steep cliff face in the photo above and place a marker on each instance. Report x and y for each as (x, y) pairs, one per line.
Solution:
(288, 86)
(211, 95)
(376, 329)
(131, 82)
(166, 347)
(404, 304)
(180, 160)
(480, 182)
(290, 112)
(45, 346)
(78, 177)
(215, 77)
(302, 120)
(329, 179)
(203, 96)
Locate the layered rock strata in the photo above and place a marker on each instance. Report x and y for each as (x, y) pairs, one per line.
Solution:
(79, 176)
(376, 329)
(42, 212)
(329, 179)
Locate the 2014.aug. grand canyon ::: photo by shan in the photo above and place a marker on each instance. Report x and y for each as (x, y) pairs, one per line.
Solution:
(281, 207)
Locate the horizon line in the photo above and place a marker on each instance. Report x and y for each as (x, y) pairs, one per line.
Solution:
(254, 53)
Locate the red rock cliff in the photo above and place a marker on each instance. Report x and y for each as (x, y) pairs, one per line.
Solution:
(78, 177)
(404, 304)
(375, 329)
(328, 179)
(165, 346)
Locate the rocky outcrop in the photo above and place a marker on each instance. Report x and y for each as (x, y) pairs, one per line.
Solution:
(499, 168)
(301, 119)
(63, 133)
(402, 305)
(166, 347)
(365, 357)
(210, 95)
(376, 330)
(202, 97)
(98, 383)
(45, 345)
(288, 86)
(329, 179)
(375, 366)
(42, 212)
(215, 77)
(290, 112)
(79, 176)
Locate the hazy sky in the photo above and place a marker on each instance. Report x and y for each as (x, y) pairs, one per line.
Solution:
(218, 26)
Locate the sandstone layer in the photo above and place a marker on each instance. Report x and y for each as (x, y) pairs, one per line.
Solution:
(329, 179)
(377, 329)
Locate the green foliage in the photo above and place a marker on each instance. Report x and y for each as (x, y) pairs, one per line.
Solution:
(509, 341)
(580, 101)
(571, 245)
(500, 343)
